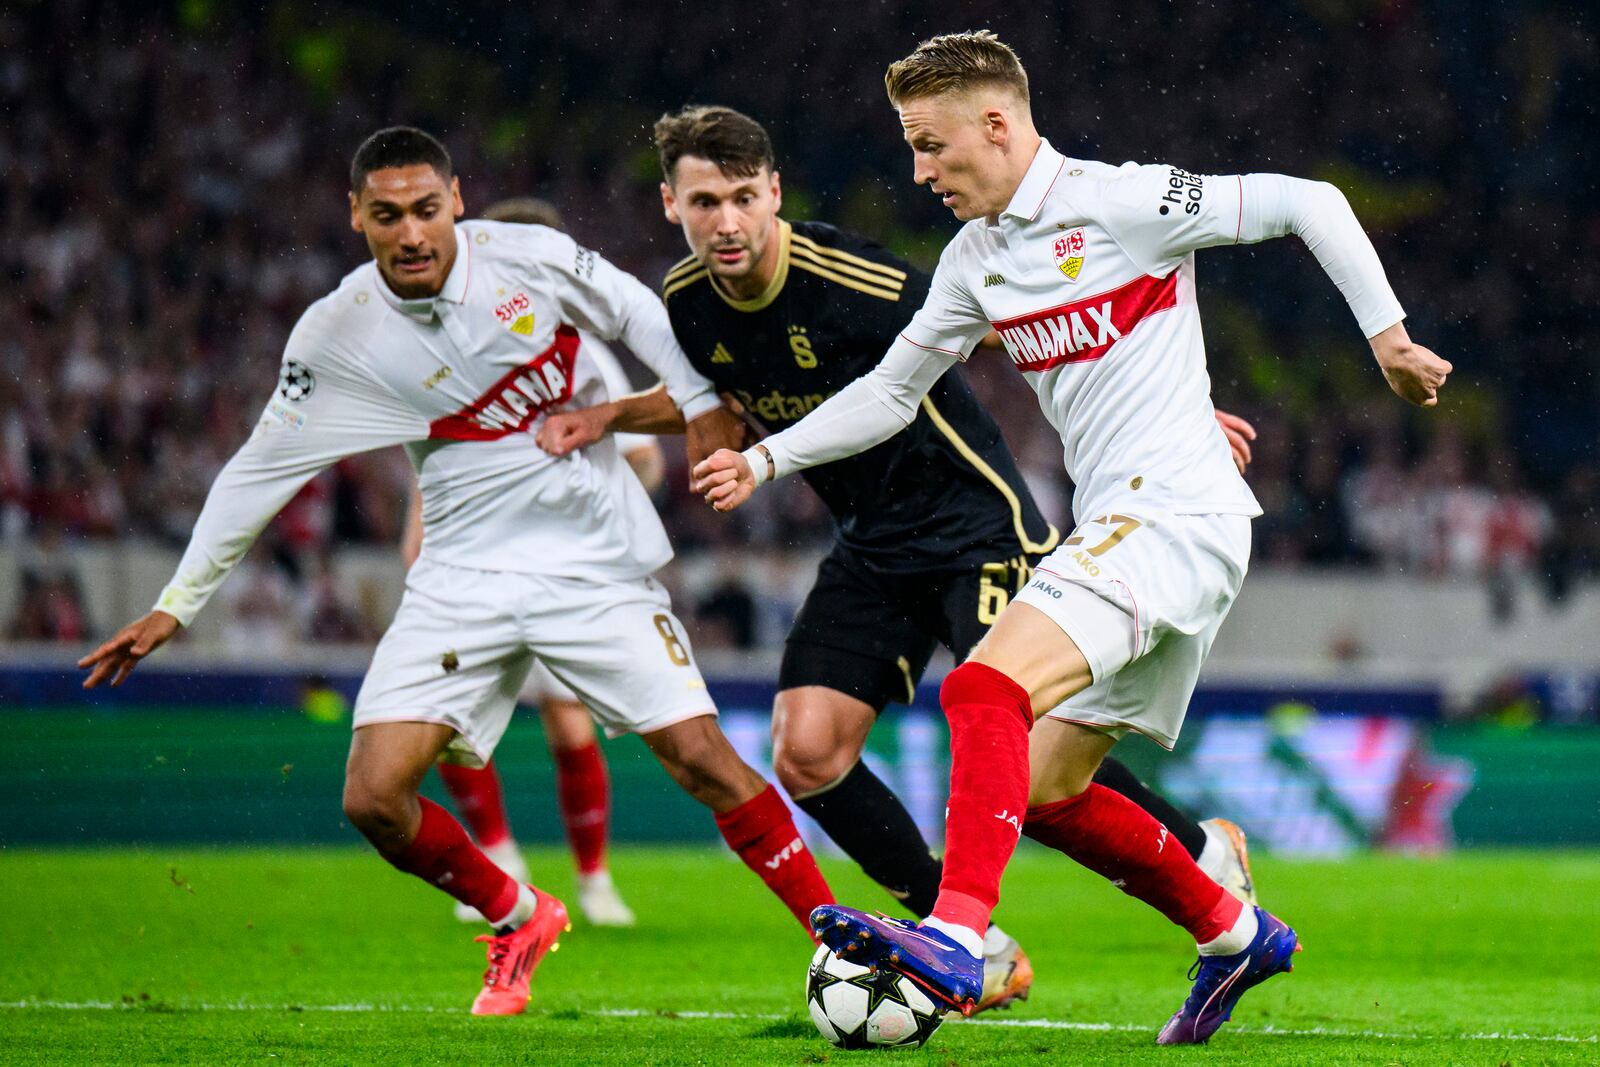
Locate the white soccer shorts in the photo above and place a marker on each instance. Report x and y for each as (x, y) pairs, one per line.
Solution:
(1142, 597)
(463, 640)
(542, 688)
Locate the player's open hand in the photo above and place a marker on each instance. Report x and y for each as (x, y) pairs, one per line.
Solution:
(568, 431)
(1415, 373)
(118, 656)
(725, 479)
(1239, 434)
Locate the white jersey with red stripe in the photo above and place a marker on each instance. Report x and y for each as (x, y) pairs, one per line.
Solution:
(462, 380)
(1088, 276)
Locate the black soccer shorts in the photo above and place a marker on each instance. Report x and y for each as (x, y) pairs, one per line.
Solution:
(870, 634)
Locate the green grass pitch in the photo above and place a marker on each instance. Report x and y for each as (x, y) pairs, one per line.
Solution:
(289, 956)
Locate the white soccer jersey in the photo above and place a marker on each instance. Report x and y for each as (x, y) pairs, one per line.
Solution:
(462, 380)
(610, 370)
(1088, 276)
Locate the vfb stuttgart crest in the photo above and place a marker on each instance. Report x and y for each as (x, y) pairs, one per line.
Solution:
(1069, 254)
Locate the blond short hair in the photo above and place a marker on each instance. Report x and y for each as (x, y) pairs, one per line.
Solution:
(954, 63)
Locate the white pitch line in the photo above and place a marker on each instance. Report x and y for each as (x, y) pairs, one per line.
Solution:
(644, 1013)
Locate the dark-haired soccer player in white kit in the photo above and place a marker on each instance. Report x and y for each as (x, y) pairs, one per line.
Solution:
(1087, 272)
(455, 341)
(583, 787)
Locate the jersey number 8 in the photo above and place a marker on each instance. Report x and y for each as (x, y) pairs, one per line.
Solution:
(676, 651)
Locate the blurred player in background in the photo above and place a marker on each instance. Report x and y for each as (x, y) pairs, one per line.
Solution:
(936, 528)
(1087, 273)
(455, 340)
(583, 788)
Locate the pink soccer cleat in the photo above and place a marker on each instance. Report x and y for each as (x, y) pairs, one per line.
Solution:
(513, 958)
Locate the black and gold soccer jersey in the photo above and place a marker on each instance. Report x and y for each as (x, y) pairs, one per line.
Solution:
(942, 492)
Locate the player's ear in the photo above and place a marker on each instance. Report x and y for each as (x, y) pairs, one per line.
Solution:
(777, 193)
(457, 206)
(669, 204)
(997, 126)
(355, 215)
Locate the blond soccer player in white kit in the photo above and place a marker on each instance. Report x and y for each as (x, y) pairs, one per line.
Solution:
(454, 342)
(1087, 273)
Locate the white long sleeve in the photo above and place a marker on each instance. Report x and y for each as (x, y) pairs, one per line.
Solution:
(1318, 213)
(322, 411)
(1233, 209)
(867, 412)
(618, 307)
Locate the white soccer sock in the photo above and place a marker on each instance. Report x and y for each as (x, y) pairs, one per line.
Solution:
(1237, 939)
(1215, 852)
(994, 939)
(508, 857)
(968, 939)
(520, 912)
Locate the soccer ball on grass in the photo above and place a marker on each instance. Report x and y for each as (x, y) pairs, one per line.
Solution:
(854, 1008)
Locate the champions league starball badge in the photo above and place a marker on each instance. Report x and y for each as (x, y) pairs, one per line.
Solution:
(295, 381)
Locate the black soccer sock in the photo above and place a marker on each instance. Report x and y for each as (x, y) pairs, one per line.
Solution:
(866, 819)
(1116, 777)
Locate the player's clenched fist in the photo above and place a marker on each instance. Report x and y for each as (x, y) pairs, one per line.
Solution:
(1415, 373)
(566, 431)
(118, 656)
(725, 479)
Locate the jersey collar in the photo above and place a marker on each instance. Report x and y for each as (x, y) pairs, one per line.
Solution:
(1030, 196)
(454, 289)
(774, 287)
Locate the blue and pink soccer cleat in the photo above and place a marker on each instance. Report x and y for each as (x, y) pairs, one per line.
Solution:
(1219, 982)
(944, 969)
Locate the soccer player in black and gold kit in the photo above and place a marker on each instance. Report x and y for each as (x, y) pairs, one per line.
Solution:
(935, 527)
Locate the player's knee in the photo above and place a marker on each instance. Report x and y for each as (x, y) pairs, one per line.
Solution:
(377, 813)
(807, 760)
(975, 685)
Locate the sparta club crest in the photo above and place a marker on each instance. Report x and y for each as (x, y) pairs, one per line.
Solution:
(1069, 254)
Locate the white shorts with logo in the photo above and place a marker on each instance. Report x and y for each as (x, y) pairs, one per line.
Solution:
(1142, 597)
(463, 640)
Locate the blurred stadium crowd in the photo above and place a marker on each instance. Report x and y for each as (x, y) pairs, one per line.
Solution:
(174, 196)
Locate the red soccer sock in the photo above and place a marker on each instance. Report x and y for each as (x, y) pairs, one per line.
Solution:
(763, 833)
(443, 854)
(585, 795)
(479, 801)
(1114, 837)
(990, 717)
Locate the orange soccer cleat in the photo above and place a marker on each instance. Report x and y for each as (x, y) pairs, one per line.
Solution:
(513, 958)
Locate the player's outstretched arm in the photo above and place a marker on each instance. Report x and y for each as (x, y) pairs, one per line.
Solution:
(117, 657)
(1319, 214)
(867, 412)
(1246, 208)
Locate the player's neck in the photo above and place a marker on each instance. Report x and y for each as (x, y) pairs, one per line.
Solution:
(1019, 160)
(753, 284)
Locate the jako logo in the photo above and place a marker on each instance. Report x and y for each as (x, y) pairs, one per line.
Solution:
(793, 848)
(1046, 588)
(1011, 820)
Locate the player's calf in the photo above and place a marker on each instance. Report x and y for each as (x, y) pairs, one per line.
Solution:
(750, 814)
